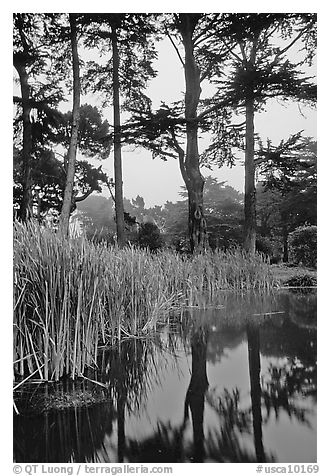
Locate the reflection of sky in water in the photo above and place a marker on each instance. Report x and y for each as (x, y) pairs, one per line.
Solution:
(233, 370)
(165, 402)
(289, 442)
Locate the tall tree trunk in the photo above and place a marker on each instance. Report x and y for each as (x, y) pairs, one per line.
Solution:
(71, 159)
(250, 189)
(20, 65)
(254, 370)
(193, 178)
(26, 202)
(119, 202)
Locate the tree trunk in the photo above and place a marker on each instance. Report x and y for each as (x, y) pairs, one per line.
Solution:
(192, 176)
(119, 202)
(250, 189)
(285, 236)
(254, 369)
(71, 159)
(26, 202)
(196, 218)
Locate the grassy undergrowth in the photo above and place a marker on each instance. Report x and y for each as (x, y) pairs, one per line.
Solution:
(295, 276)
(72, 295)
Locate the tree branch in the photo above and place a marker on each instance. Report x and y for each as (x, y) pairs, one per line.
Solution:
(243, 52)
(84, 196)
(224, 103)
(230, 51)
(284, 50)
(216, 59)
(174, 45)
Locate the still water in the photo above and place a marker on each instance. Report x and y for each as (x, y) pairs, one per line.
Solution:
(231, 383)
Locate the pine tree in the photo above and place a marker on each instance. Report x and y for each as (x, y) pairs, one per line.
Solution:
(260, 70)
(127, 39)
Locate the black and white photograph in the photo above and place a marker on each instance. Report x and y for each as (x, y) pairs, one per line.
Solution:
(164, 256)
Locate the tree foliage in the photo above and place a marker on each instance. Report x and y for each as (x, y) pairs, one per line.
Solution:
(287, 191)
(248, 60)
(48, 167)
(303, 245)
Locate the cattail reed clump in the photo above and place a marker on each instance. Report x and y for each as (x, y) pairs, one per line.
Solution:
(71, 295)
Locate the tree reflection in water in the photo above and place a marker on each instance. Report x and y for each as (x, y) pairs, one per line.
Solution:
(196, 391)
(283, 385)
(62, 436)
(133, 369)
(253, 339)
(168, 443)
(225, 444)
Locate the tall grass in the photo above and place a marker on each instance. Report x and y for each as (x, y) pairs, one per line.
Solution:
(72, 295)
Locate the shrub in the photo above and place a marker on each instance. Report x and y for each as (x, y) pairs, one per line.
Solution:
(303, 246)
(269, 247)
(301, 281)
(264, 245)
(149, 237)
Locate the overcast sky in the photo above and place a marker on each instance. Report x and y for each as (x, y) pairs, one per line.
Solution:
(158, 181)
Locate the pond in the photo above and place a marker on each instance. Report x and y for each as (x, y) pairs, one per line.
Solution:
(235, 382)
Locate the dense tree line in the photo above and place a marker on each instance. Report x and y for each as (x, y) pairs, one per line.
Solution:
(247, 58)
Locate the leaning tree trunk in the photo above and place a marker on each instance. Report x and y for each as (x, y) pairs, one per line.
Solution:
(250, 189)
(119, 201)
(192, 176)
(71, 159)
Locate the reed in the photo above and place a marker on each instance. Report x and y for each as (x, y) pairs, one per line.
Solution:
(70, 295)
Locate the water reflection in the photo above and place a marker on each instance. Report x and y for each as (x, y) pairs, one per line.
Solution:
(196, 391)
(253, 338)
(221, 388)
(65, 436)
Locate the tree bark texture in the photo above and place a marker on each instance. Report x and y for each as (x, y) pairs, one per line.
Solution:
(191, 169)
(119, 201)
(72, 153)
(250, 222)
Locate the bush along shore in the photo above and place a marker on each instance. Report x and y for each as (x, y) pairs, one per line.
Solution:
(71, 296)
